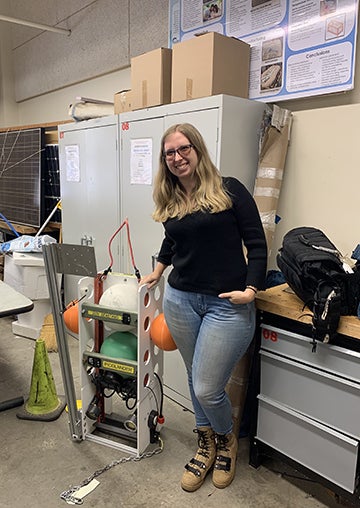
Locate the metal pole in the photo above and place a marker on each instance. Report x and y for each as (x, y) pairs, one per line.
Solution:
(47, 28)
(64, 355)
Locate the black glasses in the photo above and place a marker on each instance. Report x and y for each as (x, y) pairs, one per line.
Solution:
(183, 151)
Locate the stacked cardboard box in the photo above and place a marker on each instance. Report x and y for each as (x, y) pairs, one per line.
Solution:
(205, 65)
(122, 102)
(151, 78)
(210, 64)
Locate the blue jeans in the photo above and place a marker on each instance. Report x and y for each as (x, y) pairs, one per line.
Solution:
(211, 334)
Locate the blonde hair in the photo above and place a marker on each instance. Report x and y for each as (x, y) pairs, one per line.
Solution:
(208, 194)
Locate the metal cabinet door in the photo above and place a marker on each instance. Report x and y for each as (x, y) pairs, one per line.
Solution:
(103, 193)
(74, 203)
(140, 145)
(89, 181)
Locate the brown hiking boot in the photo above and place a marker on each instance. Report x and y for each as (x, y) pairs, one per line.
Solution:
(198, 467)
(224, 469)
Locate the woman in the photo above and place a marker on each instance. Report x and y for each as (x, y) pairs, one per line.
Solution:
(209, 297)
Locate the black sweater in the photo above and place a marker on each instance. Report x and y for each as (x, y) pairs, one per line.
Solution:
(206, 250)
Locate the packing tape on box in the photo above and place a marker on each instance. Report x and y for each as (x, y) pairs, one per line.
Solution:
(268, 219)
(189, 88)
(144, 93)
(269, 227)
(267, 192)
(272, 173)
(122, 96)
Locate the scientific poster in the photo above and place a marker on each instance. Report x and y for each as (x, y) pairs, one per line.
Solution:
(299, 48)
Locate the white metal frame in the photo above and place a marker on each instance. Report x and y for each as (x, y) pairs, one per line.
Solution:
(149, 361)
(80, 260)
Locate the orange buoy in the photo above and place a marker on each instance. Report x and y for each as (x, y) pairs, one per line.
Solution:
(160, 334)
(71, 316)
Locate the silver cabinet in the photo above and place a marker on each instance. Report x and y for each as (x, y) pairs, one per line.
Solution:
(309, 404)
(90, 190)
(89, 179)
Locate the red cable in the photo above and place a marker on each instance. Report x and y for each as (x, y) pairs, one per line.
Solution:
(126, 222)
(129, 244)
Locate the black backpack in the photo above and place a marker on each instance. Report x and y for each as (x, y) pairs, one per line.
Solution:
(314, 269)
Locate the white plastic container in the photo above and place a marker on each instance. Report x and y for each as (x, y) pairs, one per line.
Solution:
(25, 272)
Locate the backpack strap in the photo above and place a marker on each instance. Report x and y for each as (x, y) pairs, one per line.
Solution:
(326, 312)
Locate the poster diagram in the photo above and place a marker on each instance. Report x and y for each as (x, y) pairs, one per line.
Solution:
(299, 48)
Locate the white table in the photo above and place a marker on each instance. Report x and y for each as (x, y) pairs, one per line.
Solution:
(12, 302)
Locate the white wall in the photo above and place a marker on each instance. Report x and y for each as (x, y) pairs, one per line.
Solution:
(8, 108)
(322, 179)
(41, 68)
(54, 106)
(101, 37)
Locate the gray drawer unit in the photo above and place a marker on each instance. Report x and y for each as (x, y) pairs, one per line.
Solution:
(320, 395)
(317, 447)
(338, 360)
(308, 405)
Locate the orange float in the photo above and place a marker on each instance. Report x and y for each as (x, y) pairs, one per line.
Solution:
(160, 334)
(71, 317)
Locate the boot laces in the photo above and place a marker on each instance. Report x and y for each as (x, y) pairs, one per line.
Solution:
(203, 442)
(222, 442)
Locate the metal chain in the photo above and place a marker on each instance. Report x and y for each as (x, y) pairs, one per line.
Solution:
(67, 495)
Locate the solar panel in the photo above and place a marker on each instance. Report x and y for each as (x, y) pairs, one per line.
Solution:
(51, 182)
(21, 158)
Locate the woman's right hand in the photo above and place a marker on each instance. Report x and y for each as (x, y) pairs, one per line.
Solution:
(151, 280)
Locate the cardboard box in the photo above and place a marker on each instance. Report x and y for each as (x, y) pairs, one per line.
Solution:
(151, 78)
(122, 102)
(236, 389)
(210, 64)
(270, 170)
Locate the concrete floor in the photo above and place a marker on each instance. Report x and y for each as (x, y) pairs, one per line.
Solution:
(39, 460)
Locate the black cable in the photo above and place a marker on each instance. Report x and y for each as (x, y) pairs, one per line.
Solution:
(130, 408)
(156, 401)
(109, 395)
(294, 476)
(162, 394)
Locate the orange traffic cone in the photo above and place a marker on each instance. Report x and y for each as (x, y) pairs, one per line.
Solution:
(43, 403)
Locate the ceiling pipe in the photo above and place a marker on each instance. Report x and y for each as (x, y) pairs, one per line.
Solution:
(35, 25)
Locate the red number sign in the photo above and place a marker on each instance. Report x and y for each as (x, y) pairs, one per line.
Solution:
(269, 335)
